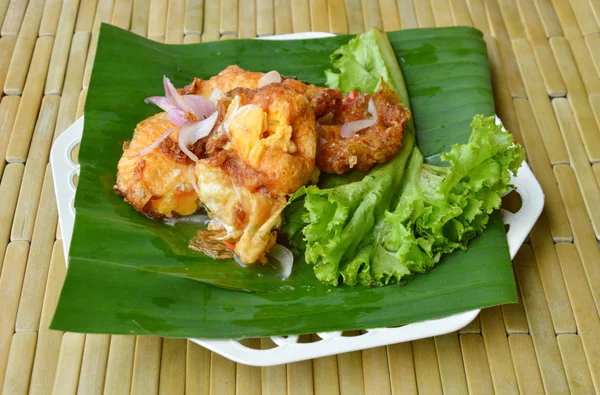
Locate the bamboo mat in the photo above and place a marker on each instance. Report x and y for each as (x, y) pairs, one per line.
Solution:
(545, 59)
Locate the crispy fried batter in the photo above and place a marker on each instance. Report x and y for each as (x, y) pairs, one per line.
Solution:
(322, 100)
(368, 147)
(274, 138)
(230, 78)
(336, 154)
(211, 244)
(248, 220)
(170, 148)
(262, 150)
(158, 184)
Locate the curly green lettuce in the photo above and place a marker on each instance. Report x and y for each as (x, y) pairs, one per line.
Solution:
(364, 62)
(401, 217)
(404, 215)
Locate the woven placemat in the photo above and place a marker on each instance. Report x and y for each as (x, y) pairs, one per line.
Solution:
(545, 58)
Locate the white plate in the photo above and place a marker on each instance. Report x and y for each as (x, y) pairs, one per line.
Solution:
(288, 349)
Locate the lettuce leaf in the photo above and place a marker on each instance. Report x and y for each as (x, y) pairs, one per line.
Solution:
(400, 218)
(363, 62)
(404, 215)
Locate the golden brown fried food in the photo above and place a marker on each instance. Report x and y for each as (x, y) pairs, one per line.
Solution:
(322, 100)
(159, 183)
(243, 220)
(367, 147)
(230, 78)
(262, 150)
(335, 154)
(272, 131)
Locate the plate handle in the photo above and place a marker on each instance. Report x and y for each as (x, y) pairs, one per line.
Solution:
(64, 171)
(532, 204)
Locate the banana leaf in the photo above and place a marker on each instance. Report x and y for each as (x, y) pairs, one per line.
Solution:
(129, 274)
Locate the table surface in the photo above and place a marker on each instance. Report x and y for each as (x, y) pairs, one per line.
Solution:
(545, 59)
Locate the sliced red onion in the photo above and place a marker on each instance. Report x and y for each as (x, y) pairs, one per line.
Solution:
(269, 78)
(153, 145)
(177, 116)
(201, 107)
(189, 219)
(174, 97)
(239, 261)
(372, 110)
(192, 132)
(177, 106)
(285, 258)
(349, 129)
(174, 114)
(186, 151)
(216, 95)
(162, 102)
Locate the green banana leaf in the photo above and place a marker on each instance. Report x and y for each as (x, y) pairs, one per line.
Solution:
(129, 274)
